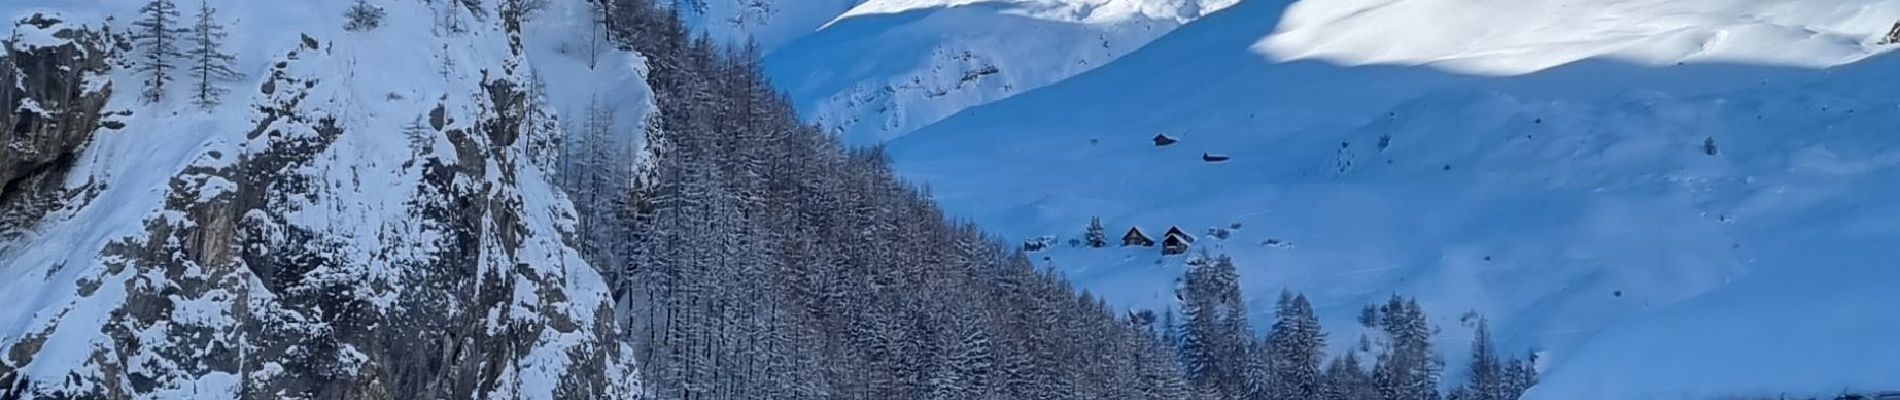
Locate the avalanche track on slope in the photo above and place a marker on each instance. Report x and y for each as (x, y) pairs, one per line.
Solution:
(1564, 189)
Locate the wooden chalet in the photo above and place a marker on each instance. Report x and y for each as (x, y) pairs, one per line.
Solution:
(1176, 242)
(1134, 237)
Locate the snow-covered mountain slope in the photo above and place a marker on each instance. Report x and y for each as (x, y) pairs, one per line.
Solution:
(887, 67)
(1501, 38)
(367, 214)
(1576, 205)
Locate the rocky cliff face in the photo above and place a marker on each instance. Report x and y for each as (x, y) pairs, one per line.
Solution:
(330, 233)
(51, 109)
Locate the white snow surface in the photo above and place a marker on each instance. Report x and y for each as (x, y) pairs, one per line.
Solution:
(374, 83)
(1539, 162)
(1501, 37)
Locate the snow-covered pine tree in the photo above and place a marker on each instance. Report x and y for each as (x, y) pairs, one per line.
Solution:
(1346, 379)
(1493, 378)
(1486, 375)
(1297, 349)
(1519, 376)
(1155, 376)
(363, 16)
(1257, 371)
(1214, 340)
(1095, 236)
(210, 64)
(156, 34)
(1407, 369)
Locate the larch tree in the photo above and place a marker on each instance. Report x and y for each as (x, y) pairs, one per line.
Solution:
(156, 34)
(210, 64)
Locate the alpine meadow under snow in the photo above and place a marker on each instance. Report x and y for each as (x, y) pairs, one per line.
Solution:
(927, 199)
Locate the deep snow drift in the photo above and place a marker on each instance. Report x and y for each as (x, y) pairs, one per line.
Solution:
(1452, 150)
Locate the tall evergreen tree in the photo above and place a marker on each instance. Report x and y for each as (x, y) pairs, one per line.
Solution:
(209, 62)
(1155, 376)
(1519, 376)
(1214, 339)
(1257, 371)
(156, 34)
(1486, 372)
(1297, 349)
(1095, 236)
(1407, 369)
(1346, 379)
(1491, 378)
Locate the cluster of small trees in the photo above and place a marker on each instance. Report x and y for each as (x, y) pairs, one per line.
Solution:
(1223, 360)
(158, 33)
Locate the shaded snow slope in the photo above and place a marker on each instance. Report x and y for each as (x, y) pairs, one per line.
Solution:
(1514, 37)
(887, 67)
(367, 215)
(1575, 206)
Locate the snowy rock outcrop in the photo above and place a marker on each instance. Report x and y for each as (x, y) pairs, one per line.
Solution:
(56, 89)
(366, 216)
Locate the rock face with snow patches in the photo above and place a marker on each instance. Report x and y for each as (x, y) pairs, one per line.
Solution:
(332, 231)
(55, 101)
